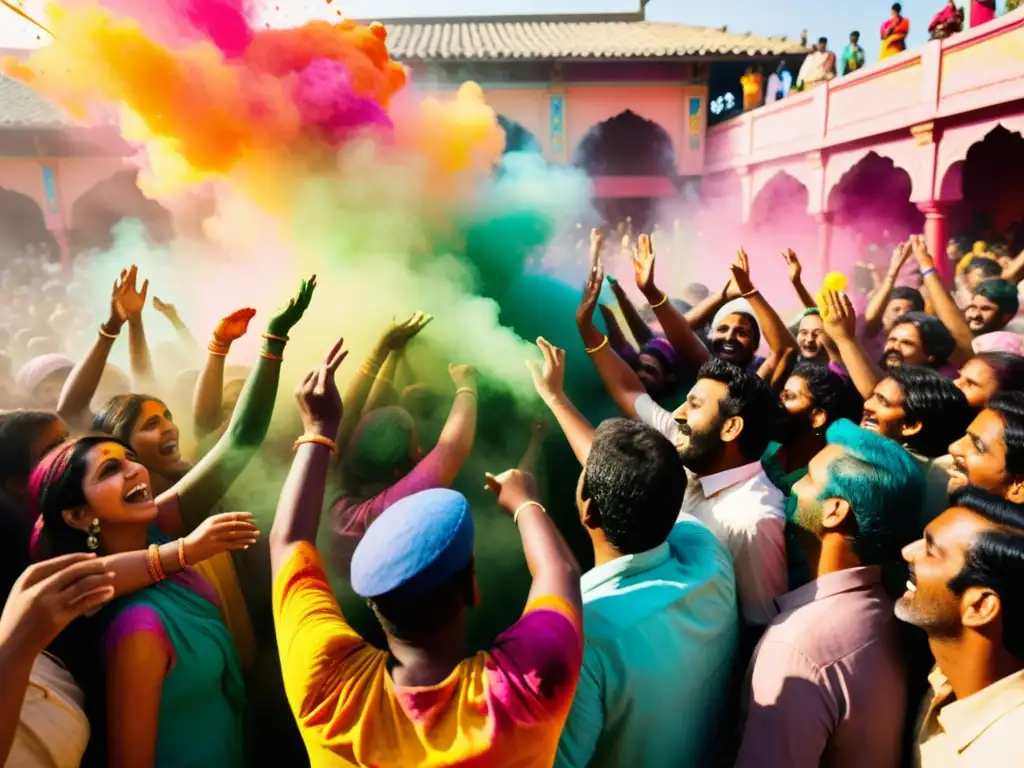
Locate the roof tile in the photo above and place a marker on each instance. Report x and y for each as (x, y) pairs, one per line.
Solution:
(24, 108)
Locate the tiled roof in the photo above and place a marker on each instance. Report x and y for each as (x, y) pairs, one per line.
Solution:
(496, 41)
(22, 107)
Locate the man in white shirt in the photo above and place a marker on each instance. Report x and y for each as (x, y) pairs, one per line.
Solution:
(720, 432)
(819, 67)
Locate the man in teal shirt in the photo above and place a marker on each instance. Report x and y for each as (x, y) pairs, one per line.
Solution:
(853, 55)
(659, 612)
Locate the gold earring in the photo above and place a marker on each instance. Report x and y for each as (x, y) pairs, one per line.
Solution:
(93, 542)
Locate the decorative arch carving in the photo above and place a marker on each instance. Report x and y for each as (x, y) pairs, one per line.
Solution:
(22, 222)
(651, 149)
(114, 198)
(764, 175)
(957, 142)
(905, 156)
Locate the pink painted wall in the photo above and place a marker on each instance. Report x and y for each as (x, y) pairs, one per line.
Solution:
(74, 177)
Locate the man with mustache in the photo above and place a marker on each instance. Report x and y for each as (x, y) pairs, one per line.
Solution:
(828, 676)
(994, 304)
(990, 455)
(966, 591)
(918, 338)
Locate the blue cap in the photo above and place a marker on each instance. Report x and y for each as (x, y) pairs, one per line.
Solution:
(417, 544)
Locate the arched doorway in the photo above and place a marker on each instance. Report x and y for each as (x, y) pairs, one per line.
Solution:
(23, 228)
(778, 220)
(95, 213)
(518, 138)
(993, 186)
(872, 209)
(633, 163)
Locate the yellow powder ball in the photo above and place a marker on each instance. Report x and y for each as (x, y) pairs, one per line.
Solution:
(834, 281)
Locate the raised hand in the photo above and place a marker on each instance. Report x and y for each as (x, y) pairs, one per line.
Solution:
(741, 273)
(287, 317)
(319, 401)
(513, 488)
(220, 533)
(167, 310)
(919, 246)
(643, 264)
(591, 291)
(549, 376)
(234, 326)
(838, 315)
(400, 334)
(596, 241)
(795, 270)
(900, 255)
(50, 595)
(128, 298)
(463, 376)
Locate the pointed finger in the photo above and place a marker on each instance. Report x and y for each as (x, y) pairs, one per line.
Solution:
(336, 362)
(145, 289)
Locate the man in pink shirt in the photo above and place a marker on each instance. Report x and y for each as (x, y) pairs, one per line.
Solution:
(826, 686)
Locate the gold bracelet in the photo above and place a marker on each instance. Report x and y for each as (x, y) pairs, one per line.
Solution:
(524, 505)
(272, 337)
(181, 554)
(749, 293)
(216, 349)
(599, 347)
(364, 371)
(107, 334)
(269, 356)
(317, 440)
(664, 298)
(468, 391)
(156, 567)
(149, 564)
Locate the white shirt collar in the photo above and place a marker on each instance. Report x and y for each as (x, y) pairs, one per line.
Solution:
(712, 484)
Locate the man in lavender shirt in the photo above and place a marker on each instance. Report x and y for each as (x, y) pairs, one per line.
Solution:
(826, 686)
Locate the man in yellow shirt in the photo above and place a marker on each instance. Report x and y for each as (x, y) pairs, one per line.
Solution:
(423, 702)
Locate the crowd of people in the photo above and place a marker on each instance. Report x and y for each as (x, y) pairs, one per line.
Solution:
(807, 538)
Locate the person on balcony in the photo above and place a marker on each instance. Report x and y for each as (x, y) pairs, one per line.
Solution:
(853, 54)
(819, 67)
(894, 32)
(982, 11)
(947, 22)
(752, 84)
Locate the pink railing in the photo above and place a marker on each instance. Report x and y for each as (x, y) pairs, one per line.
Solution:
(975, 69)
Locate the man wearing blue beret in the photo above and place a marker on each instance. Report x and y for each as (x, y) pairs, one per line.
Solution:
(422, 702)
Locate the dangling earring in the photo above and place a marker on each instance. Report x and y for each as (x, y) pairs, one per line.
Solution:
(93, 542)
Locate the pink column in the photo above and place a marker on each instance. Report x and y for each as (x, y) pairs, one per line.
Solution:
(935, 235)
(825, 241)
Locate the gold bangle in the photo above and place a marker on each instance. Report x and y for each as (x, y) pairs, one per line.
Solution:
(364, 371)
(149, 565)
(107, 334)
(268, 356)
(272, 337)
(599, 347)
(749, 293)
(524, 505)
(181, 554)
(156, 567)
(317, 440)
(216, 349)
(468, 391)
(664, 298)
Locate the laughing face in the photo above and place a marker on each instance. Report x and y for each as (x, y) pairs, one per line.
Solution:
(699, 422)
(979, 459)
(904, 347)
(809, 337)
(984, 316)
(155, 438)
(732, 340)
(884, 413)
(935, 561)
(116, 488)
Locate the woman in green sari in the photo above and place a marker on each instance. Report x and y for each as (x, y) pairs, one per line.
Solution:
(174, 691)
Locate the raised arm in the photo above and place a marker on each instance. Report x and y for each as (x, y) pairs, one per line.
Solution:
(796, 278)
(208, 401)
(704, 313)
(81, 384)
(616, 337)
(840, 319)
(641, 332)
(880, 298)
(691, 350)
(552, 565)
(619, 379)
(776, 333)
(44, 600)
(132, 302)
(384, 392)
(395, 338)
(185, 337)
(191, 499)
(302, 497)
(459, 432)
(945, 308)
(549, 381)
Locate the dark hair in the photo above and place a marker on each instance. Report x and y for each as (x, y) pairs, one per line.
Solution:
(119, 415)
(823, 40)
(1000, 292)
(897, 7)
(1007, 367)
(57, 484)
(755, 329)
(906, 293)
(18, 430)
(855, 33)
(380, 452)
(1009, 407)
(411, 617)
(829, 391)
(936, 339)
(995, 559)
(937, 404)
(883, 485)
(636, 482)
(748, 397)
(988, 267)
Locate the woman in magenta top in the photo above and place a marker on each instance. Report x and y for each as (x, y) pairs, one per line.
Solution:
(894, 32)
(982, 11)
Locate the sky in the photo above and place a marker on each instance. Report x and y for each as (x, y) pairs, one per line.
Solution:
(831, 18)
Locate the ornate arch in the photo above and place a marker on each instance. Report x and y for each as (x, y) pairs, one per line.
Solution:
(905, 156)
(957, 142)
(762, 176)
(22, 223)
(651, 151)
(518, 138)
(116, 197)
(780, 180)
